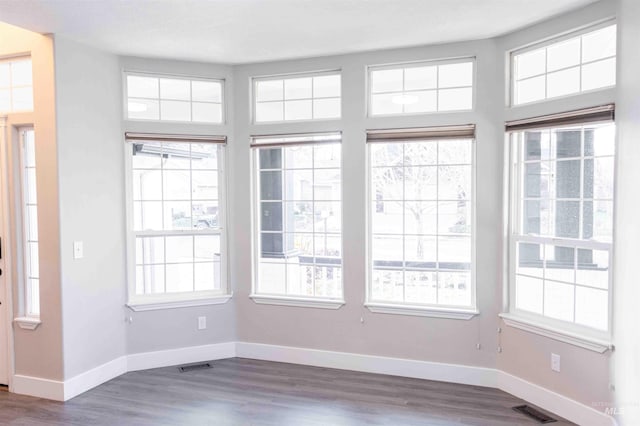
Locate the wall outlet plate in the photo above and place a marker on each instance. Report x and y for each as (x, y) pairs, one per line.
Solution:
(555, 362)
(202, 323)
(78, 250)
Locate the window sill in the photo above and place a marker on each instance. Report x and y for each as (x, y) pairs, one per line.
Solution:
(297, 301)
(28, 323)
(420, 311)
(173, 304)
(592, 344)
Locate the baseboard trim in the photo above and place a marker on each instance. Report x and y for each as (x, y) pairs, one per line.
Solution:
(549, 400)
(38, 387)
(94, 377)
(452, 373)
(170, 357)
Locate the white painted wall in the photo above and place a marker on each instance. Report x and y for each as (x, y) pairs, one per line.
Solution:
(626, 366)
(177, 328)
(91, 182)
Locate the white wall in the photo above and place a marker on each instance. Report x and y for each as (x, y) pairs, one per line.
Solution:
(176, 328)
(627, 247)
(91, 182)
(420, 338)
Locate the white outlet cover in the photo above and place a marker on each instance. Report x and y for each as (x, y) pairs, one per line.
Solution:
(202, 323)
(78, 250)
(555, 362)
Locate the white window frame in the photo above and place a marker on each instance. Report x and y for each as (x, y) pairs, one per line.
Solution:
(11, 87)
(566, 331)
(425, 310)
(545, 44)
(288, 300)
(418, 64)
(147, 302)
(284, 77)
(190, 78)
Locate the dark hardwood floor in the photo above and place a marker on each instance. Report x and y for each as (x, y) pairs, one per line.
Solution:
(248, 392)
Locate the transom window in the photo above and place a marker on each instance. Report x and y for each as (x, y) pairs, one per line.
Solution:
(562, 224)
(576, 64)
(300, 97)
(421, 87)
(421, 204)
(16, 85)
(165, 98)
(298, 192)
(177, 236)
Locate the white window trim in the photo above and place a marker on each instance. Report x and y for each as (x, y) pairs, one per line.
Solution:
(546, 43)
(416, 64)
(302, 302)
(28, 323)
(254, 101)
(11, 88)
(148, 302)
(435, 311)
(125, 97)
(565, 331)
(288, 300)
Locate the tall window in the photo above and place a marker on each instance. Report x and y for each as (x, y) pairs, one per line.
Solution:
(576, 64)
(421, 87)
(562, 224)
(298, 191)
(165, 98)
(16, 85)
(29, 207)
(300, 97)
(177, 238)
(421, 203)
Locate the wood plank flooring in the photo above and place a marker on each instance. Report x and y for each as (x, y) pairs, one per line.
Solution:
(249, 392)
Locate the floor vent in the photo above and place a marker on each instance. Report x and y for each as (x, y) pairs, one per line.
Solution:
(194, 367)
(534, 414)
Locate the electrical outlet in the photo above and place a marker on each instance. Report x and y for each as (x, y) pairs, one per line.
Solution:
(555, 362)
(202, 323)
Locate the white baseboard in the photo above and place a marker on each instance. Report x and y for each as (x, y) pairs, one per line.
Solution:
(452, 373)
(169, 357)
(553, 402)
(479, 376)
(38, 387)
(94, 377)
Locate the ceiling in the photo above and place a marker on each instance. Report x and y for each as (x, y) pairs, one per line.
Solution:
(243, 31)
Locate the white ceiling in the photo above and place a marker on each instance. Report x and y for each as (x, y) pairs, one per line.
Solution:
(242, 31)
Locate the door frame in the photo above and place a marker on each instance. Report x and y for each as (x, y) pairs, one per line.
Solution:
(7, 134)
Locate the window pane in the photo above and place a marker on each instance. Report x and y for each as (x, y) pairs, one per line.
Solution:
(269, 111)
(599, 74)
(143, 109)
(593, 268)
(420, 252)
(599, 44)
(530, 90)
(421, 287)
(592, 308)
(205, 277)
(559, 263)
(179, 249)
(530, 260)
(422, 101)
(297, 88)
(454, 288)
(206, 112)
(327, 86)
(326, 108)
(5, 100)
(272, 278)
(269, 90)
(297, 110)
(563, 55)
(175, 111)
(558, 300)
(563, 82)
(143, 87)
(22, 99)
(386, 81)
(5, 74)
(455, 75)
(175, 89)
(149, 250)
(386, 217)
(454, 99)
(530, 64)
(384, 104)
(206, 91)
(387, 285)
(420, 78)
(179, 278)
(529, 293)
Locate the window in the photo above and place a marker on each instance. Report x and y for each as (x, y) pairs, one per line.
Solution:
(177, 218)
(16, 85)
(421, 88)
(163, 98)
(298, 186)
(421, 218)
(573, 65)
(30, 272)
(562, 225)
(301, 97)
